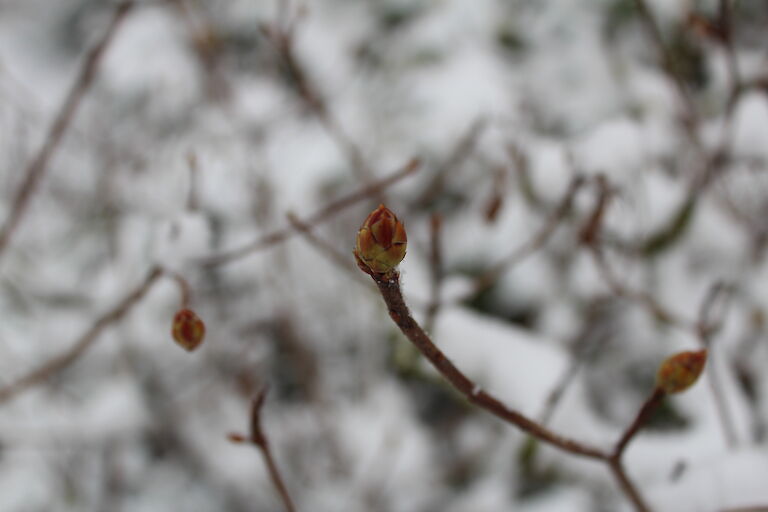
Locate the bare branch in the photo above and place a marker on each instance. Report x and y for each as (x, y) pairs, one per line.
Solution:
(314, 219)
(436, 270)
(389, 286)
(643, 415)
(258, 438)
(83, 343)
(38, 166)
(539, 239)
(341, 260)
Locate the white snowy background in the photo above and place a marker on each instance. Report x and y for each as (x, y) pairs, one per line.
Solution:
(357, 422)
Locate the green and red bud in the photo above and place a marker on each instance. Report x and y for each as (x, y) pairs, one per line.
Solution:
(381, 242)
(188, 330)
(680, 371)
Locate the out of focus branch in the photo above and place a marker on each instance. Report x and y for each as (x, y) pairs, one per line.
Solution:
(341, 260)
(668, 65)
(281, 35)
(58, 363)
(590, 237)
(461, 151)
(38, 166)
(436, 271)
(539, 239)
(258, 438)
(316, 218)
(707, 326)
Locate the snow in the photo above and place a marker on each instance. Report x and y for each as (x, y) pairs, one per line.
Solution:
(356, 418)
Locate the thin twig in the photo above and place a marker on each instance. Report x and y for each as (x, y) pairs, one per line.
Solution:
(185, 291)
(644, 299)
(539, 239)
(629, 489)
(436, 273)
(314, 219)
(615, 460)
(56, 364)
(668, 65)
(281, 35)
(643, 415)
(583, 345)
(706, 327)
(258, 438)
(461, 151)
(38, 166)
(389, 286)
(341, 260)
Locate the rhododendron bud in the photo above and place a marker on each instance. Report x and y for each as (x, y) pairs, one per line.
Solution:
(381, 242)
(188, 330)
(680, 371)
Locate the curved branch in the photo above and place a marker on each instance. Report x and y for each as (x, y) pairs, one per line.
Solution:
(389, 286)
(69, 356)
(37, 167)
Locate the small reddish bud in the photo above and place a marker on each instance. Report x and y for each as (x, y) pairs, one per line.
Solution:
(680, 371)
(188, 330)
(237, 438)
(381, 242)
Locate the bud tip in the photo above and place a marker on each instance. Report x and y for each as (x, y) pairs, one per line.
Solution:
(188, 329)
(381, 242)
(680, 371)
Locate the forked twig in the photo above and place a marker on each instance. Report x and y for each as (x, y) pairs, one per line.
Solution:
(38, 166)
(258, 438)
(389, 286)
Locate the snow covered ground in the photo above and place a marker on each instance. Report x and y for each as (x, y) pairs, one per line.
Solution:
(199, 134)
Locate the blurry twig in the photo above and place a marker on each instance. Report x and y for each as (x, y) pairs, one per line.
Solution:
(258, 438)
(193, 199)
(316, 218)
(582, 346)
(185, 290)
(540, 238)
(615, 459)
(66, 358)
(590, 237)
(342, 260)
(706, 327)
(37, 167)
(496, 199)
(281, 35)
(463, 148)
(436, 270)
(205, 44)
(668, 65)
(643, 415)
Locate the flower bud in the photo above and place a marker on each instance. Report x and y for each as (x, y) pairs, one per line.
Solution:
(188, 330)
(680, 371)
(381, 242)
